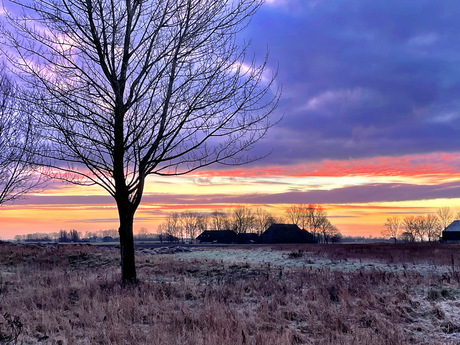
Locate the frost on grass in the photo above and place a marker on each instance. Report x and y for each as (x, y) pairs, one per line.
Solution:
(284, 256)
(234, 295)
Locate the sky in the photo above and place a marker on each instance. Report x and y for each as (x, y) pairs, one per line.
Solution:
(370, 129)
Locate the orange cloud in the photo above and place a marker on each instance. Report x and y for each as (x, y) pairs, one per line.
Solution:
(431, 165)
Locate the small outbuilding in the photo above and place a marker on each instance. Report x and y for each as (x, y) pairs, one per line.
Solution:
(217, 236)
(451, 234)
(286, 233)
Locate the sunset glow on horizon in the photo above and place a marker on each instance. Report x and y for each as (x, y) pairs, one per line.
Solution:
(370, 126)
(357, 194)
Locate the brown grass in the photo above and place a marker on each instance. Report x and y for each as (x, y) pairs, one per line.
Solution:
(409, 253)
(72, 295)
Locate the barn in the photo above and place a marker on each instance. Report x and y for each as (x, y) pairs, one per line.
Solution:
(217, 236)
(452, 233)
(286, 233)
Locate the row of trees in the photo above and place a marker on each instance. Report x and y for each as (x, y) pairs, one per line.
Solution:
(180, 226)
(419, 228)
(71, 235)
(189, 224)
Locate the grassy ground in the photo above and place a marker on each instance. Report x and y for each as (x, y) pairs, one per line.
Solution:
(392, 294)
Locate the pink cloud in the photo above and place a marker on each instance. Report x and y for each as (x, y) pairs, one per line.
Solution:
(435, 164)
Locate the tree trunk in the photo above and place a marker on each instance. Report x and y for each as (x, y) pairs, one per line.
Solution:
(128, 265)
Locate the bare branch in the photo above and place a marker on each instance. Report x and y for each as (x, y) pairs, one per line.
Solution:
(17, 146)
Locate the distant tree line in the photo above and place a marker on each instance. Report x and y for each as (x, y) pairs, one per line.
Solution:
(420, 228)
(72, 236)
(180, 227)
(187, 225)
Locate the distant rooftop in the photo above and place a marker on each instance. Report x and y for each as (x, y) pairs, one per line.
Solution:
(454, 226)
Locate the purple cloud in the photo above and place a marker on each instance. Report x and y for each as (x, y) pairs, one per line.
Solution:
(362, 78)
(379, 192)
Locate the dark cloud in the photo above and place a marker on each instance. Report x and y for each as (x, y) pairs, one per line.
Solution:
(115, 221)
(381, 192)
(362, 78)
(66, 200)
(97, 220)
(371, 193)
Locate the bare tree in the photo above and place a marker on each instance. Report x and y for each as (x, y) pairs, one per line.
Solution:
(327, 230)
(311, 216)
(298, 215)
(143, 233)
(74, 235)
(262, 220)
(171, 229)
(426, 227)
(17, 146)
(242, 220)
(445, 215)
(190, 223)
(433, 227)
(317, 215)
(162, 230)
(392, 228)
(220, 220)
(202, 222)
(410, 225)
(128, 89)
(421, 227)
(175, 227)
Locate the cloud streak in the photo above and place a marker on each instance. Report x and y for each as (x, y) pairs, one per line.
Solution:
(433, 166)
(369, 193)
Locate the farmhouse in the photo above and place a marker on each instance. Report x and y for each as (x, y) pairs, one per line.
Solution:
(452, 233)
(277, 233)
(217, 236)
(286, 233)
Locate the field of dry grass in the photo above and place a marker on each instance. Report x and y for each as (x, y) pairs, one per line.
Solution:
(313, 294)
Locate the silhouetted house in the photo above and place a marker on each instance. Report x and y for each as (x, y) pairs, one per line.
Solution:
(217, 236)
(452, 233)
(286, 233)
(249, 238)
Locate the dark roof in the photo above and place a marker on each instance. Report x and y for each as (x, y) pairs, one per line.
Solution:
(452, 232)
(454, 226)
(217, 236)
(286, 233)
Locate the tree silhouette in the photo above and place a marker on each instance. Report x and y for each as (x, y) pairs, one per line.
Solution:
(17, 146)
(127, 89)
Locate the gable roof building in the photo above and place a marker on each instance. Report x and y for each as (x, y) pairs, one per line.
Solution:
(286, 233)
(452, 232)
(217, 236)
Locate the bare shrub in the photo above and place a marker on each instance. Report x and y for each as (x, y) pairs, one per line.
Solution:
(10, 329)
